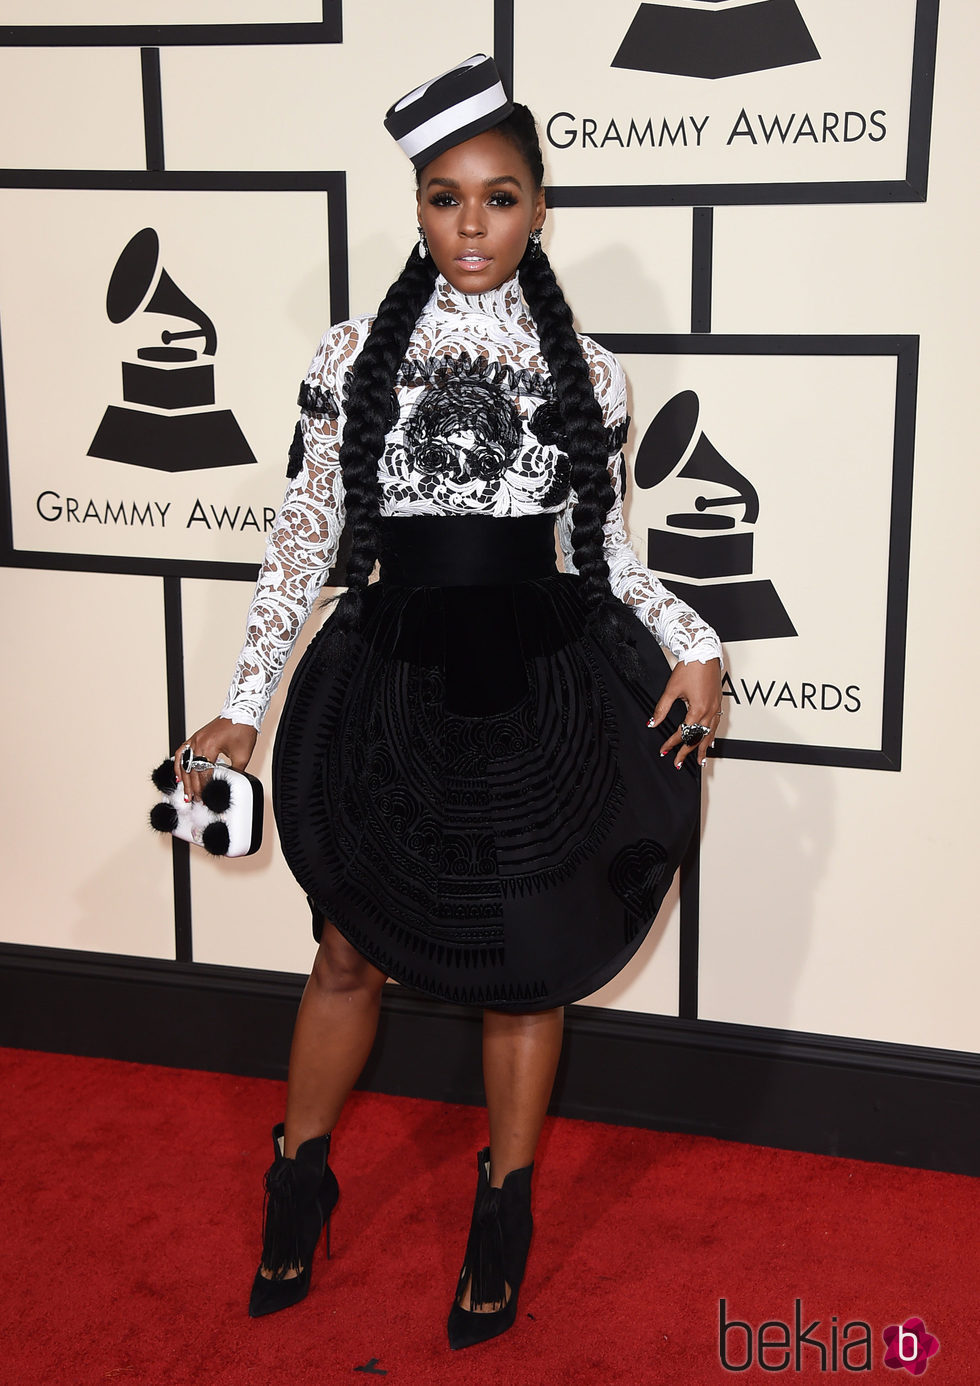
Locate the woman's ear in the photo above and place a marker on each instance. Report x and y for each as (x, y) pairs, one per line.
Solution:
(540, 210)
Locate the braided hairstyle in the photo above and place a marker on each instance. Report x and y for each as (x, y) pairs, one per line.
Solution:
(371, 381)
(371, 415)
(585, 441)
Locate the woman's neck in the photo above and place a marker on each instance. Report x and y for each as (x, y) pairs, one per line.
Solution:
(504, 303)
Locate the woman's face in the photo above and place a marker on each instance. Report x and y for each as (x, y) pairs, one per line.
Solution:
(477, 205)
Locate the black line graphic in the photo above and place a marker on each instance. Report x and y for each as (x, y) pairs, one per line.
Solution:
(337, 248)
(503, 42)
(6, 499)
(896, 617)
(173, 621)
(702, 251)
(328, 29)
(152, 109)
(702, 248)
(923, 90)
(690, 929)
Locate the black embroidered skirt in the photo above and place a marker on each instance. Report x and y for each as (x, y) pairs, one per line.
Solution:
(468, 789)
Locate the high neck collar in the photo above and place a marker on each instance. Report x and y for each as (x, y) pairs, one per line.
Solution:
(504, 303)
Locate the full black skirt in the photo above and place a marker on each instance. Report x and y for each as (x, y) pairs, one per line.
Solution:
(468, 790)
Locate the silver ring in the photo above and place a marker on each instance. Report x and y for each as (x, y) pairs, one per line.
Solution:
(693, 732)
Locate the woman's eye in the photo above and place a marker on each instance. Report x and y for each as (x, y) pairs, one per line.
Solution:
(497, 199)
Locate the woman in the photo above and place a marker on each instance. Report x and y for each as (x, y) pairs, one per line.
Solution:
(466, 781)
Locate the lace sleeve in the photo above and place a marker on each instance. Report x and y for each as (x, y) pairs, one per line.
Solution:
(303, 542)
(675, 624)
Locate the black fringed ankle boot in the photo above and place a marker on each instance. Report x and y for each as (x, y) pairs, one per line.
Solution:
(300, 1195)
(496, 1253)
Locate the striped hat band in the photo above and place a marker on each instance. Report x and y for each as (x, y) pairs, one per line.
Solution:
(449, 109)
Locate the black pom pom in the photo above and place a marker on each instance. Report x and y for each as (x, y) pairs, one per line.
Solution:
(216, 839)
(163, 817)
(216, 794)
(164, 778)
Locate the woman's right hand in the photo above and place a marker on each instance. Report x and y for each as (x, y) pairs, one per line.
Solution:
(234, 740)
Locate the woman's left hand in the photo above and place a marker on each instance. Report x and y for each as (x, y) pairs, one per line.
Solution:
(699, 686)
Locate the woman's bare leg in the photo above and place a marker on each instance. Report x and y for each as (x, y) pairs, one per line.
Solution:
(520, 1059)
(332, 1038)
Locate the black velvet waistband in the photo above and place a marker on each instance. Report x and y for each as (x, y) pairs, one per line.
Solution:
(466, 550)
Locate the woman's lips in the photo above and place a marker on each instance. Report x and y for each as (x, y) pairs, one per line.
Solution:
(473, 260)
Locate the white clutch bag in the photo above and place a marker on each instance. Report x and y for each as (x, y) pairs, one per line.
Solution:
(228, 820)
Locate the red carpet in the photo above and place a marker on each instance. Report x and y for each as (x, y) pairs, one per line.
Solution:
(132, 1195)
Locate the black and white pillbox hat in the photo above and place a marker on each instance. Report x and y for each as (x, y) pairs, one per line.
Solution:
(449, 109)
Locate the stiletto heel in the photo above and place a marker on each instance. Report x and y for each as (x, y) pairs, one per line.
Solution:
(300, 1195)
(496, 1254)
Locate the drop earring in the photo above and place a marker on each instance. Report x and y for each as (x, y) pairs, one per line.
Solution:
(536, 242)
(423, 245)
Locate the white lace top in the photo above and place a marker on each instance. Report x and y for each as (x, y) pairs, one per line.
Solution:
(488, 442)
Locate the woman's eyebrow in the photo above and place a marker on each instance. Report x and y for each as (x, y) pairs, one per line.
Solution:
(487, 182)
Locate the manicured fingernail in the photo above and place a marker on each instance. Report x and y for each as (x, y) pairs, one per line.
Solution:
(187, 799)
(663, 753)
(651, 722)
(677, 764)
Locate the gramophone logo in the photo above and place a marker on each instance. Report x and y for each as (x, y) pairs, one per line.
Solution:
(707, 545)
(730, 37)
(168, 421)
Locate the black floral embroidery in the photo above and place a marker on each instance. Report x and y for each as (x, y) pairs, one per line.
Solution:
(557, 492)
(312, 399)
(438, 369)
(394, 411)
(546, 425)
(617, 435)
(317, 399)
(463, 430)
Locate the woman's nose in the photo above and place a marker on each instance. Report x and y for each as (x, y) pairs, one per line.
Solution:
(471, 220)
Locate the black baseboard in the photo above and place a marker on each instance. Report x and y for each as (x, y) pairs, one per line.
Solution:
(900, 1104)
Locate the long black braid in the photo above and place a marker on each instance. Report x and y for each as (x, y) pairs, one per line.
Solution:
(585, 434)
(369, 390)
(368, 402)
(586, 443)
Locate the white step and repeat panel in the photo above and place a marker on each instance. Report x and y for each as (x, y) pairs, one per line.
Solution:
(770, 100)
(181, 319)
